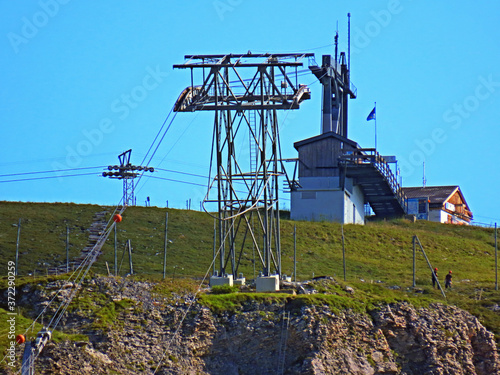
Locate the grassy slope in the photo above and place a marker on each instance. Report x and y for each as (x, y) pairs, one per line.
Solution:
(377, 251)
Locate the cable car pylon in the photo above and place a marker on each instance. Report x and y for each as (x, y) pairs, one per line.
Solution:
(127, 173)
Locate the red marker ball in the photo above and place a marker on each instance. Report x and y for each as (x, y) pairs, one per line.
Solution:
(20, 339)
(117, 218)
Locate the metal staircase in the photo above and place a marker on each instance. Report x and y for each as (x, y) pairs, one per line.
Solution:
(380, 187)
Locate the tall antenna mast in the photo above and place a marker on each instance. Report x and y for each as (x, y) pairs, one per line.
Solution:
(349, 43)
(336, 45)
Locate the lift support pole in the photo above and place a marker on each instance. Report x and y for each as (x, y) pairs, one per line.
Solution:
(415, 240)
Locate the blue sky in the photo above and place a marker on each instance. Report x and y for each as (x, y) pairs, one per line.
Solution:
(82, 82)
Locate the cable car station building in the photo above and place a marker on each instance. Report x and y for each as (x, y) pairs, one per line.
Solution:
(336, 178)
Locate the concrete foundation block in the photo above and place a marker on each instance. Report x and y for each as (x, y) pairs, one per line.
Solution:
(221, 280)
(240, 281)
(267, 283)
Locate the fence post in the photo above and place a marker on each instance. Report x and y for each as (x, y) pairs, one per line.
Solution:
(116, 259)
(213, 249)
(414, 261)
(496, 257)
(165, 248)
(130, 257)
(295, 253)
(17, 244)
(67, 249)
(343, 251)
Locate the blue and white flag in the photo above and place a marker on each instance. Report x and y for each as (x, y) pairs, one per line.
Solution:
(372, 115)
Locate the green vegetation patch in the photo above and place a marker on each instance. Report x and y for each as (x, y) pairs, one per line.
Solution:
(225, 289)
(42, 234)
(22, 324)
(233, 302)
(180, 286)
(100, 308)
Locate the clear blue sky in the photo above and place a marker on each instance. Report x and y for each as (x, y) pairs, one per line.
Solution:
(69, 66)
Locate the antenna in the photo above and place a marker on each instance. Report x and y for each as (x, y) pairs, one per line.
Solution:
(336, 44)
(424, 181)
(349, 43)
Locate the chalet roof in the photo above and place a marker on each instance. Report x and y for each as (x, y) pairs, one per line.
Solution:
(437, 195)
(324, 136)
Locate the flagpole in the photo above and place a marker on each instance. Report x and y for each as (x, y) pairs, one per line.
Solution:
(375, 125)
(373, 116)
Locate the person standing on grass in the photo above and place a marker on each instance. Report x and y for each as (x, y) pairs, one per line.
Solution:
(447, 280)
(434, 277)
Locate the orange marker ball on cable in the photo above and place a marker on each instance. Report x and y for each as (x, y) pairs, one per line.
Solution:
(117, 218)
(20, 339)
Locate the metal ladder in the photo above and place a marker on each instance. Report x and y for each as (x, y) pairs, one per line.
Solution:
(252, 124)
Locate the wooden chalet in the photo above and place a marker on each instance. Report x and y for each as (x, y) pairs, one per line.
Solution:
(443, 204)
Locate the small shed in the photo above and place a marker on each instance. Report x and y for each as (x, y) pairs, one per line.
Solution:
(319, 155)
(443, 204)
(323, 195)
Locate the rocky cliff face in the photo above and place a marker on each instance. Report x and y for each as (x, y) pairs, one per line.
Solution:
(149, 333)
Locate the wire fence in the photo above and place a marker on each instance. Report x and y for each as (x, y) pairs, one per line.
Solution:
(482, 225)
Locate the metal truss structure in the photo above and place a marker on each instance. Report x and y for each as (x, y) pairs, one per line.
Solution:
(127, 173)
(337, 89)
(245, 92)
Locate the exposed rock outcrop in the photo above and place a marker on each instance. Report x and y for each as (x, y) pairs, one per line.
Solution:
(150, 330)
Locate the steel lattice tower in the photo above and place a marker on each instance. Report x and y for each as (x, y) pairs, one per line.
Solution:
(245, 92)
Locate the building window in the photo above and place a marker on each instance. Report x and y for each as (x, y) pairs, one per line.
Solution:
(422, 206)
(308, 195)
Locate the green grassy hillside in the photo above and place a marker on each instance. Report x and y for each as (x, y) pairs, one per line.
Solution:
(378, 255)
